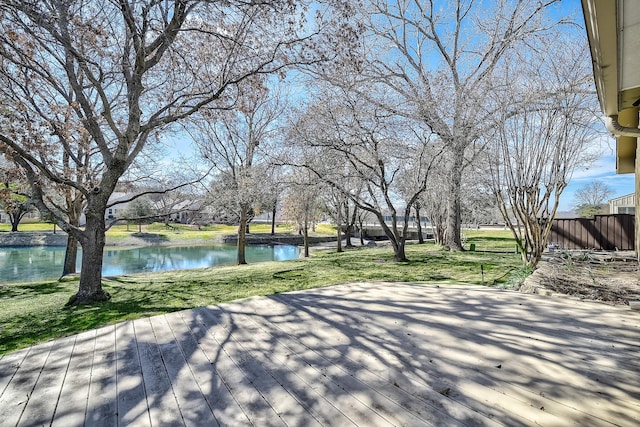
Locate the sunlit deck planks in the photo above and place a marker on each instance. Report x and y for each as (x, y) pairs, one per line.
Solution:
(364, 354)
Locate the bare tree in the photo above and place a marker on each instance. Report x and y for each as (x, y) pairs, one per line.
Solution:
(545, 130)
(273, 195)
(435, 204)
(121, 73)
(178, 205)
(342, 211)
(301, 202)
(349, 138)
(592, 198)
(438, 59)
(235, 144)
(363, 217)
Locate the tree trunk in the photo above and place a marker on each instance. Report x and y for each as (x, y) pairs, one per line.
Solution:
(351, 225)
(15, 221)
(273, 220)
(339, 221)
(453, 238)
(93, 239)
(242, 237)
(399, 252)
(70, 256)
(419, 225)
(397, 239)
(347, 236)
(71, 253)
(441, 232)
(306, 239)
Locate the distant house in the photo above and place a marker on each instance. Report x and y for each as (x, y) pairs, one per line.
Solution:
(116, 211)
(183, 211)
(623, 204)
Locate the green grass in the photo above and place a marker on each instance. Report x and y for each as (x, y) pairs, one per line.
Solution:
(490, 240)
(35, 312)
(174, 232)
(29, 226)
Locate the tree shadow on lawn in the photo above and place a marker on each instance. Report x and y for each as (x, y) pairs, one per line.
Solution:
(36, 288)
(127, 302)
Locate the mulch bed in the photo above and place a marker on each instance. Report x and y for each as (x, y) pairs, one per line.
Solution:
(610, 277)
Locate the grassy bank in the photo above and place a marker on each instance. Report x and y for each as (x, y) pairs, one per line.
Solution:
(175, 234)
(35, 312)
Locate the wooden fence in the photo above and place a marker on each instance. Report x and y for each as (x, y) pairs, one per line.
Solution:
(604, 232)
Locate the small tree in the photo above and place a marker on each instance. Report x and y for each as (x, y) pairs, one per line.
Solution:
(342, 210)
(15, 205)
(140, 211)
(14, 196)
(544, 132)
(363, 217)
(435, 205)
(235, 144)
(301, 203)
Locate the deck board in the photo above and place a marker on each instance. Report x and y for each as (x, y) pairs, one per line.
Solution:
(231, 363)
(72, 402)
(40, 411)
(102, 402)
(193, 405)
(356, 354)
(162, 403)
(18, 392)
(9, 365)
(132, 398)
(225, 408)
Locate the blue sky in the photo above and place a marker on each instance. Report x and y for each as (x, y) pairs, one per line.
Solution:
(603, 170)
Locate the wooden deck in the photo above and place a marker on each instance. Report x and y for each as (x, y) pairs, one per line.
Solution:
(359, 354)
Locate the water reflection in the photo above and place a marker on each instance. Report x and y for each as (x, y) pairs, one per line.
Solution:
(24, 264)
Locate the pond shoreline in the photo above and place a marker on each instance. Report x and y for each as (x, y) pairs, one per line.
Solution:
(59, 238)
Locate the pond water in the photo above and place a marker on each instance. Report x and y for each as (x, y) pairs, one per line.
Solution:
(26, 264)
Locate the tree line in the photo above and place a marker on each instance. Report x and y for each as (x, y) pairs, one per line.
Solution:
(390, 109)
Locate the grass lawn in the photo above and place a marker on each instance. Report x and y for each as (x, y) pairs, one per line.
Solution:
(35, 312)
(26, 225)
(177, 234)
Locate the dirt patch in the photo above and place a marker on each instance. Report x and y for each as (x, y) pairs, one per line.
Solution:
(611, 277)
